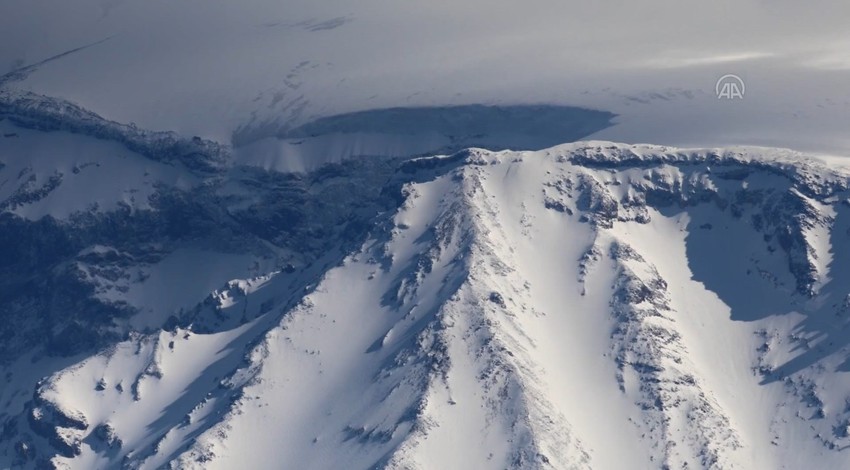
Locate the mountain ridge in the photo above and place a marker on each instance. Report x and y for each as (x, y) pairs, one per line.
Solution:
(501, 278)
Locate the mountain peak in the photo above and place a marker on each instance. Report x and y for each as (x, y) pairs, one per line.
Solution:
(582, 306)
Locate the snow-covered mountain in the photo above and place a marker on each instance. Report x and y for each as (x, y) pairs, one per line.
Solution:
(367, 235)
(255, 70)
(590, 305)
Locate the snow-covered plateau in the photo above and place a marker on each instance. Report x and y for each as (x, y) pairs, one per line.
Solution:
(252, 71)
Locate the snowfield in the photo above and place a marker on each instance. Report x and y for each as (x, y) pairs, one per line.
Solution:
(591, 305)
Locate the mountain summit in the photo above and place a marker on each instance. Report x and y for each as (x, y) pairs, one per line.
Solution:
(592, 305)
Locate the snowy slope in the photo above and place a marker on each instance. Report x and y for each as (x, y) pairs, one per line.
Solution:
(593, 305)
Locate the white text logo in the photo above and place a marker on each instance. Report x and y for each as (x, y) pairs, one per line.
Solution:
(730, 87)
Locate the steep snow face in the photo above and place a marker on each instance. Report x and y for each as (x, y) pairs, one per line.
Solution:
(593, 305)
